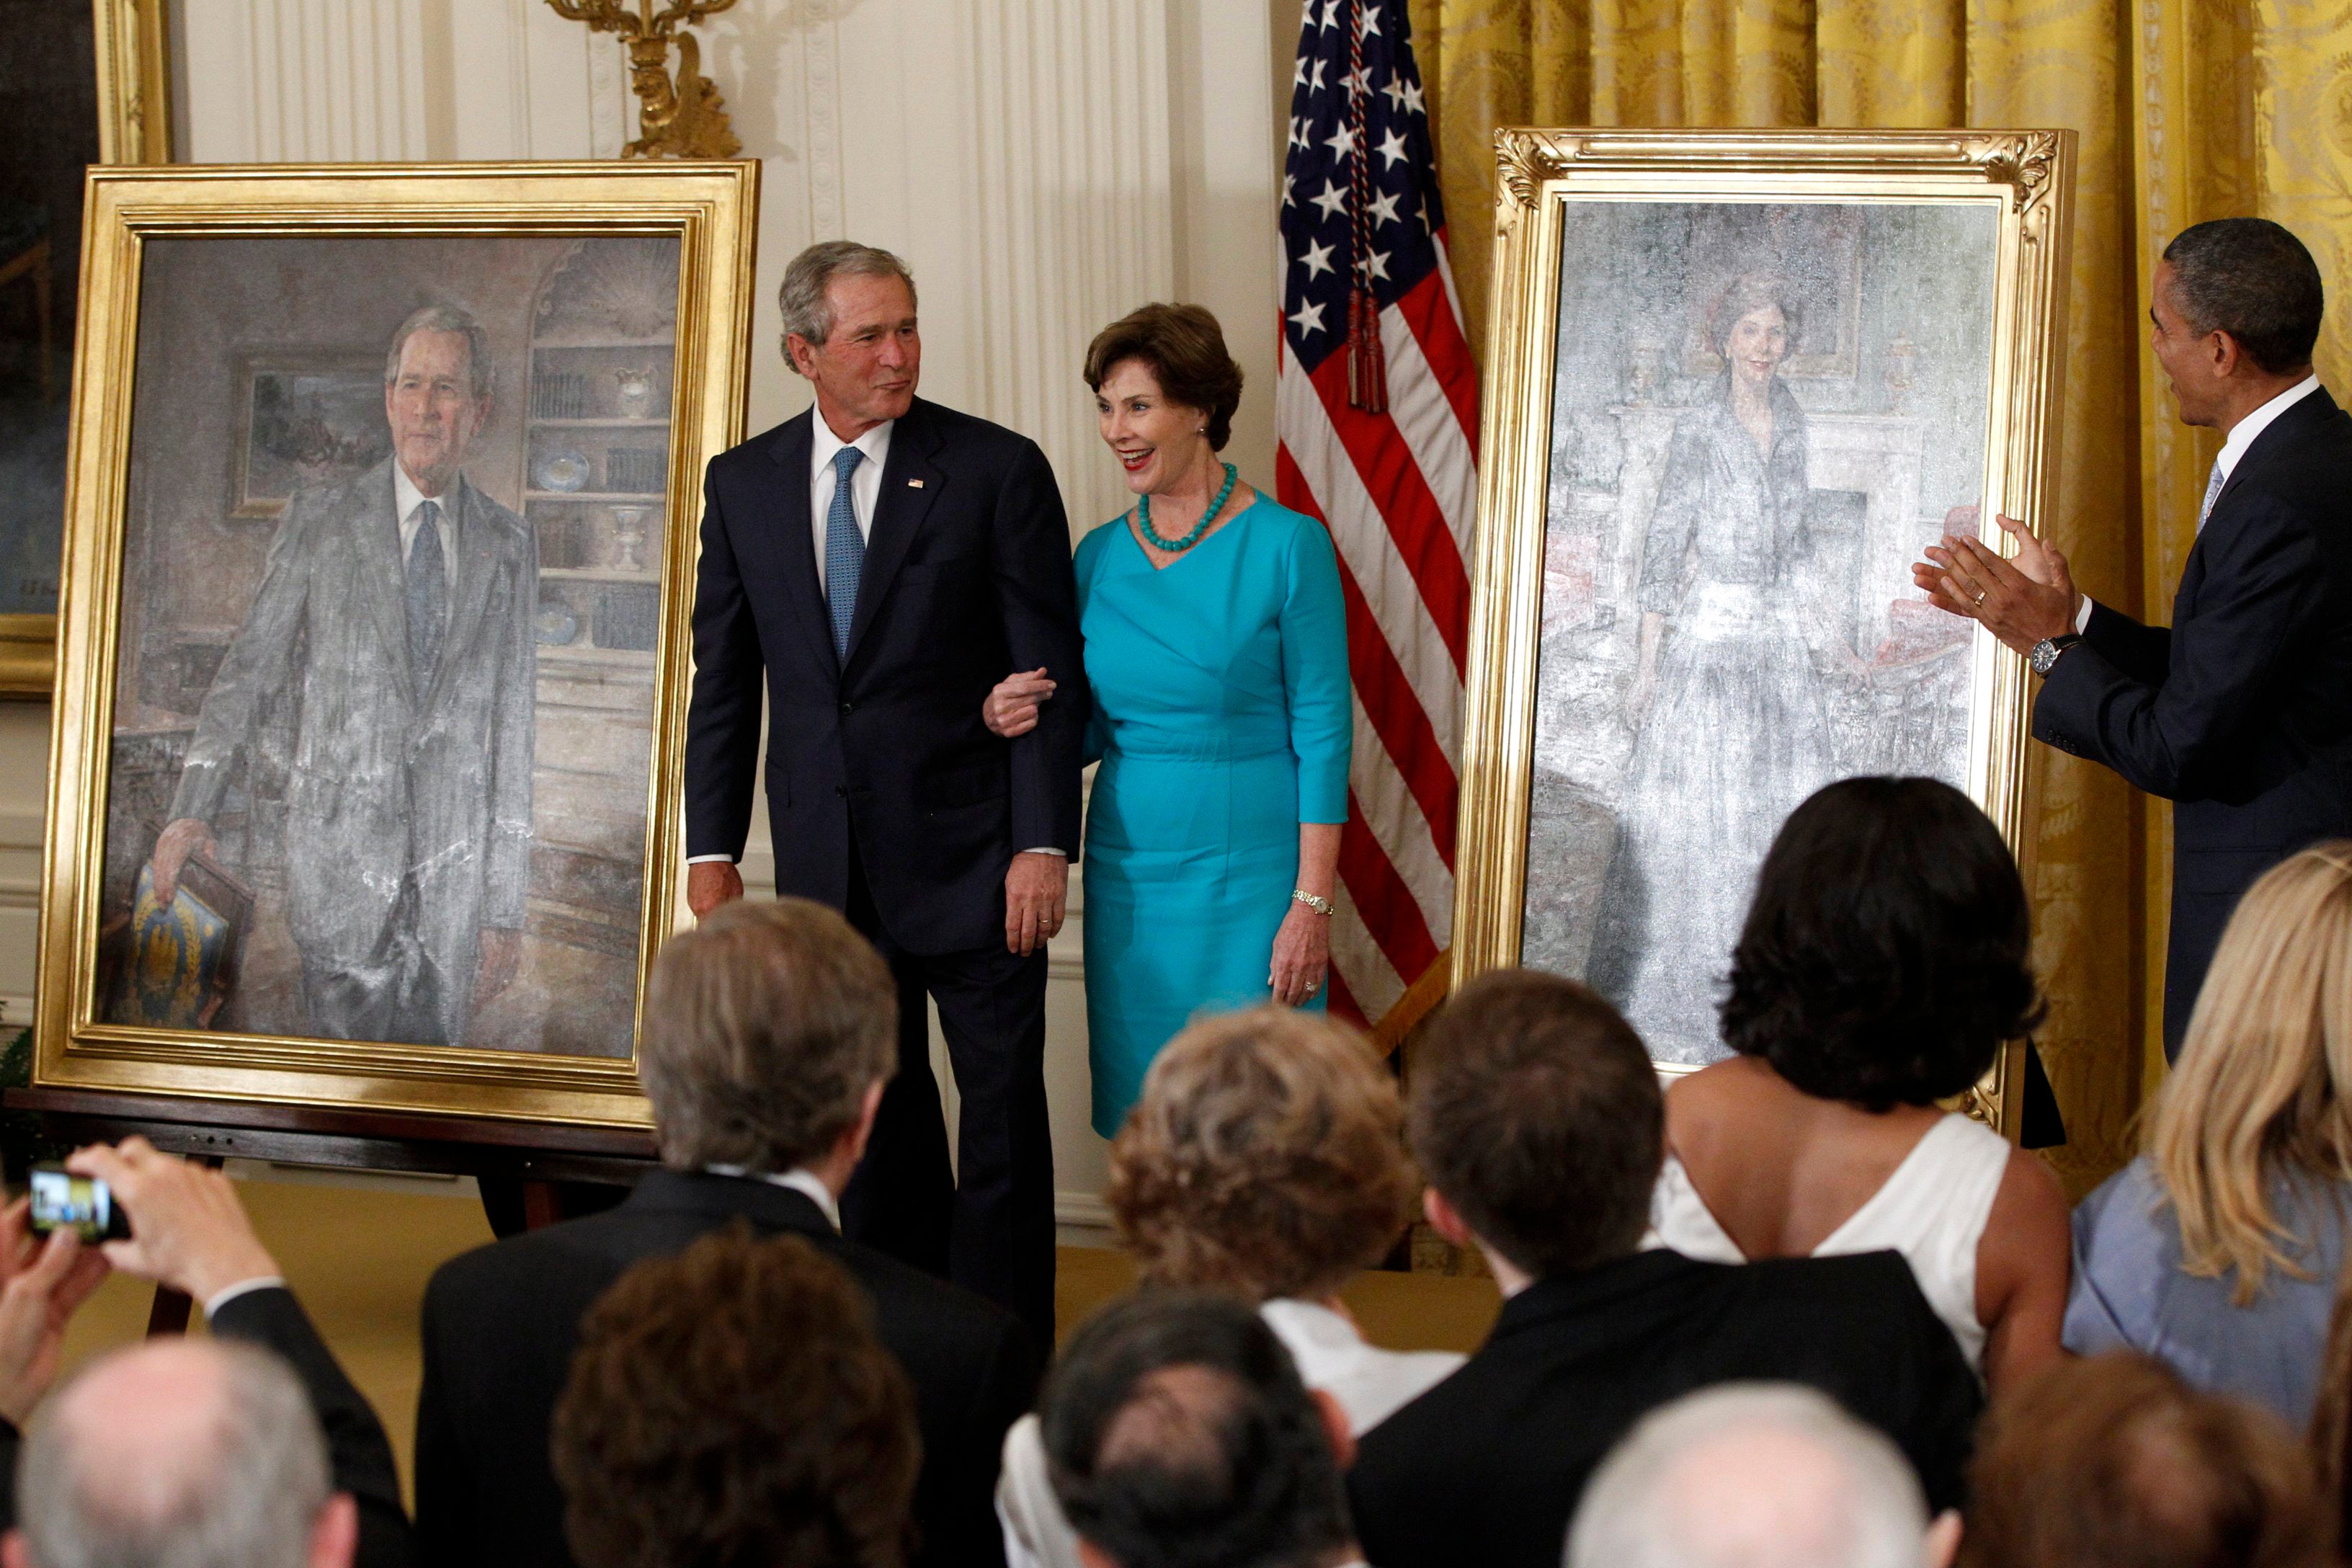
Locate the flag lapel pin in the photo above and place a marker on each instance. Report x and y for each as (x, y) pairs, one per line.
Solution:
(914, 484)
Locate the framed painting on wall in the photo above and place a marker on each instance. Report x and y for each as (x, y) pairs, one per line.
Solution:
(79, 84)
(1736, 382)
(374, 650)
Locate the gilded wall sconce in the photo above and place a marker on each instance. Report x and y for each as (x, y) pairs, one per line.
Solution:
(684, 118)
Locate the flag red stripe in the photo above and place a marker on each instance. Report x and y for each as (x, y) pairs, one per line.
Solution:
(1416, 524)
(1396, 713)
(1343, 1001)
(1382, 897)
(1429, 314)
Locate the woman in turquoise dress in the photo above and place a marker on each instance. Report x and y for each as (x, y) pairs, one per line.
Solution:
(1216, 648)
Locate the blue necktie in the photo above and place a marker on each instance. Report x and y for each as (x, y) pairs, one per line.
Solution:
(845, 550)
(428, 599)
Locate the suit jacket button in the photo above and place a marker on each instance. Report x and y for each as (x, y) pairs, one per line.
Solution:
(841, 792)
(846, 708)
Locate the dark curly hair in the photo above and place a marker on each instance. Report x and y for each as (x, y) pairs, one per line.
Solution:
(730, 1405)
(1885, 957)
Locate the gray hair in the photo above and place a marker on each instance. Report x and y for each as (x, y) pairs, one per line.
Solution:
(765, 1026)
(246, 1493)
(808, 313)
(1751, 1475)
(446, 318)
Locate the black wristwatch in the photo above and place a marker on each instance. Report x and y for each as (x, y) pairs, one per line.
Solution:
(2046, 652)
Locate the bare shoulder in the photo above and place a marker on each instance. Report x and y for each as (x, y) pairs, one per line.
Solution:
(2030, 1199)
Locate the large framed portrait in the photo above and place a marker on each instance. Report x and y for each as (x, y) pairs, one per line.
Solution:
(1736, 382)
(379, 560)
(81, 83)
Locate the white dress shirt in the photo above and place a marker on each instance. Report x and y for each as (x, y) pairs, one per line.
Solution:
(408, 502)
(2242, 436)
(799, 1181)
(865, 483)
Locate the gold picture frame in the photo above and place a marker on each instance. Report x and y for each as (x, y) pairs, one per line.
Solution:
(158, 589)
(132, 42)
(1583, 428)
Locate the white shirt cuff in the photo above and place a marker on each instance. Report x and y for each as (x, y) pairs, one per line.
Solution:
(700, 859)
(223, 1297)
(2083, 616)
(1047, 849)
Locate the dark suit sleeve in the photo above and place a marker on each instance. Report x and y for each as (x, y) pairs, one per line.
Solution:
(1039, 594)
(445, 1528)
(967, 1496)
(2176, 737)
(2141, 652)
(723, 721)
(356, 1444)
(505, 878)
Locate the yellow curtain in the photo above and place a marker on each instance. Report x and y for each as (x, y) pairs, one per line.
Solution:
(2187, 109)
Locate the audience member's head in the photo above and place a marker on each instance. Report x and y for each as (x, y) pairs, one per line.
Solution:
(1178, 1435)
(2113, 1462)
(180, 1453)
(1267, 1157)
(770, 1030)
(1757, 1475)
(730, 1405)
(1886, 956)
(1537, 1117)
(2264, 1087)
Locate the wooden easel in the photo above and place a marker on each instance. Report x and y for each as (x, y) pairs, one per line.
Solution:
(538, 1154)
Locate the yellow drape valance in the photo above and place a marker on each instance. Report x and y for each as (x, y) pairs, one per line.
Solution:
(2186, 110)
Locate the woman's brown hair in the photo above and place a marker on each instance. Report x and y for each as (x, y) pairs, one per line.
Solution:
(1185, 349)
(1266, 1157)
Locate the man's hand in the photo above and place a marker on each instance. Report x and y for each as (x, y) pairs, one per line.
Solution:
(501, 956)
(41, 1284)
(710, 883)
(181, 837)
(2021, 602)
(1011, 708)
(1036, 889)
(187, 1228)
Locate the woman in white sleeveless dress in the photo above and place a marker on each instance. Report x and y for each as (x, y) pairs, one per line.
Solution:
(1883, 962)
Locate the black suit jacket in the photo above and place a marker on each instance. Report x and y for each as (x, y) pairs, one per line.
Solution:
(1488, 1467)
(2242, 712)
(967, 579)
(502, 1322)
(357, 1449)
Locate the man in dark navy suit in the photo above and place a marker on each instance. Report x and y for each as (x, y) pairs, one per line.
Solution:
(2240, 712)
(883, 561)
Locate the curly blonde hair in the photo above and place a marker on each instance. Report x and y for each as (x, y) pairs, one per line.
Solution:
(1266, 1157)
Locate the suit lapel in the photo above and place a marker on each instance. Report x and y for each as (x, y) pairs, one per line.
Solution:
(476, 564)
(387, 593)
(911, 481)
(2305, 415)
(790, 452)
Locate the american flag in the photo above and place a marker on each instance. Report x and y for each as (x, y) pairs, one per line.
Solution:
(1377, 416)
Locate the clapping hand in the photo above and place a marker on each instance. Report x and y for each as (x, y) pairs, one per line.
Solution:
(1012, 707)
(2020, 602)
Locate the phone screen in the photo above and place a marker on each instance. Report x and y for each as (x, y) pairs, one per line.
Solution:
(63, 1201)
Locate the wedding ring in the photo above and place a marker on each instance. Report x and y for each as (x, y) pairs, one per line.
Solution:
(1980, 593)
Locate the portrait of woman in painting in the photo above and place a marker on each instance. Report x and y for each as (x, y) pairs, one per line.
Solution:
(1731, 730)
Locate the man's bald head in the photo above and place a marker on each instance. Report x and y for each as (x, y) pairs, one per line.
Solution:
(1751, 1475)
(180, 1453)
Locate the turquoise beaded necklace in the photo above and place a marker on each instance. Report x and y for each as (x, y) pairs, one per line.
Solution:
(1178, 547)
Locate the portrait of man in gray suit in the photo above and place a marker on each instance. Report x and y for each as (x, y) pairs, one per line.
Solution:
(390, 648)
